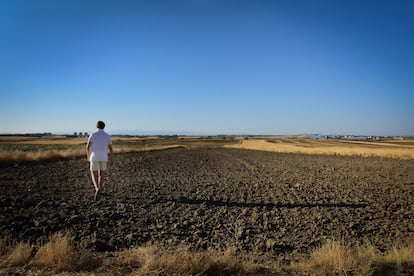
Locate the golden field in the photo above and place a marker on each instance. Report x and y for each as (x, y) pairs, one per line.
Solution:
(15, 149)
(400, 149)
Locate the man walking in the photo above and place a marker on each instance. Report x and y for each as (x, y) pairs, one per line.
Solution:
(97, 148)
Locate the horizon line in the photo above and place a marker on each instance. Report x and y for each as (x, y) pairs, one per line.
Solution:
(191, 133)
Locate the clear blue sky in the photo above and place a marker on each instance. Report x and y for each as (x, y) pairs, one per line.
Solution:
(216, 66)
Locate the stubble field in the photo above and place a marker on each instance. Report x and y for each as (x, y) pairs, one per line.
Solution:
(272, 207)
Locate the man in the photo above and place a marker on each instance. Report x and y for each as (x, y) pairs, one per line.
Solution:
(97, 148)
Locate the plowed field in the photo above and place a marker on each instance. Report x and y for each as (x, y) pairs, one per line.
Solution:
(269, 204)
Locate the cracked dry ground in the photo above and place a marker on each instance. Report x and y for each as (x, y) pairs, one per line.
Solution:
(269, 205)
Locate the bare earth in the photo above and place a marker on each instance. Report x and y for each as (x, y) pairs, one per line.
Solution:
(275, 206)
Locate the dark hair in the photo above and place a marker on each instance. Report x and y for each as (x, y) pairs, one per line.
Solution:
(100, 125)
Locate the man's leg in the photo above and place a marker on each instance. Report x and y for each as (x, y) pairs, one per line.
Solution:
(94, 175)
(101, 173)
(101, 178)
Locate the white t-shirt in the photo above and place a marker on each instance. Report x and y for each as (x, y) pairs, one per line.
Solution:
(99, 145)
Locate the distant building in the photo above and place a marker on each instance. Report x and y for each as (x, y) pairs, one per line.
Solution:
(80, 134)
(316, 137)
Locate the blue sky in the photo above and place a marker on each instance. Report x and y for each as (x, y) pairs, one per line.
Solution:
(234, 67)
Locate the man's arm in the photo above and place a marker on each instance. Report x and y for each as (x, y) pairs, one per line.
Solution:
(111, 155)
(88, 150)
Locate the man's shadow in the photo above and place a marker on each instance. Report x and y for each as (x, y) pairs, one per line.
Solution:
(219, 203)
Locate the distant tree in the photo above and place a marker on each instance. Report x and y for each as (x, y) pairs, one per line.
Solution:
(85, 134)
(75, 134)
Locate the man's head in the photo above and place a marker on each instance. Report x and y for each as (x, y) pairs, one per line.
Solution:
(100, 125)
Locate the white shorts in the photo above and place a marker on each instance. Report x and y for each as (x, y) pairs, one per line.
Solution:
(98, 165)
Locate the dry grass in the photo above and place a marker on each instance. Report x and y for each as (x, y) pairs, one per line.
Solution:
(7, 157)
(399, 259)
(334, 257)
(155, 260)
(38, 149)
(20, 255)
(331, 147)
(28, 149)
(15, 149)
(18, 156)
(58, 252)
(51, 147)
(17, 255)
